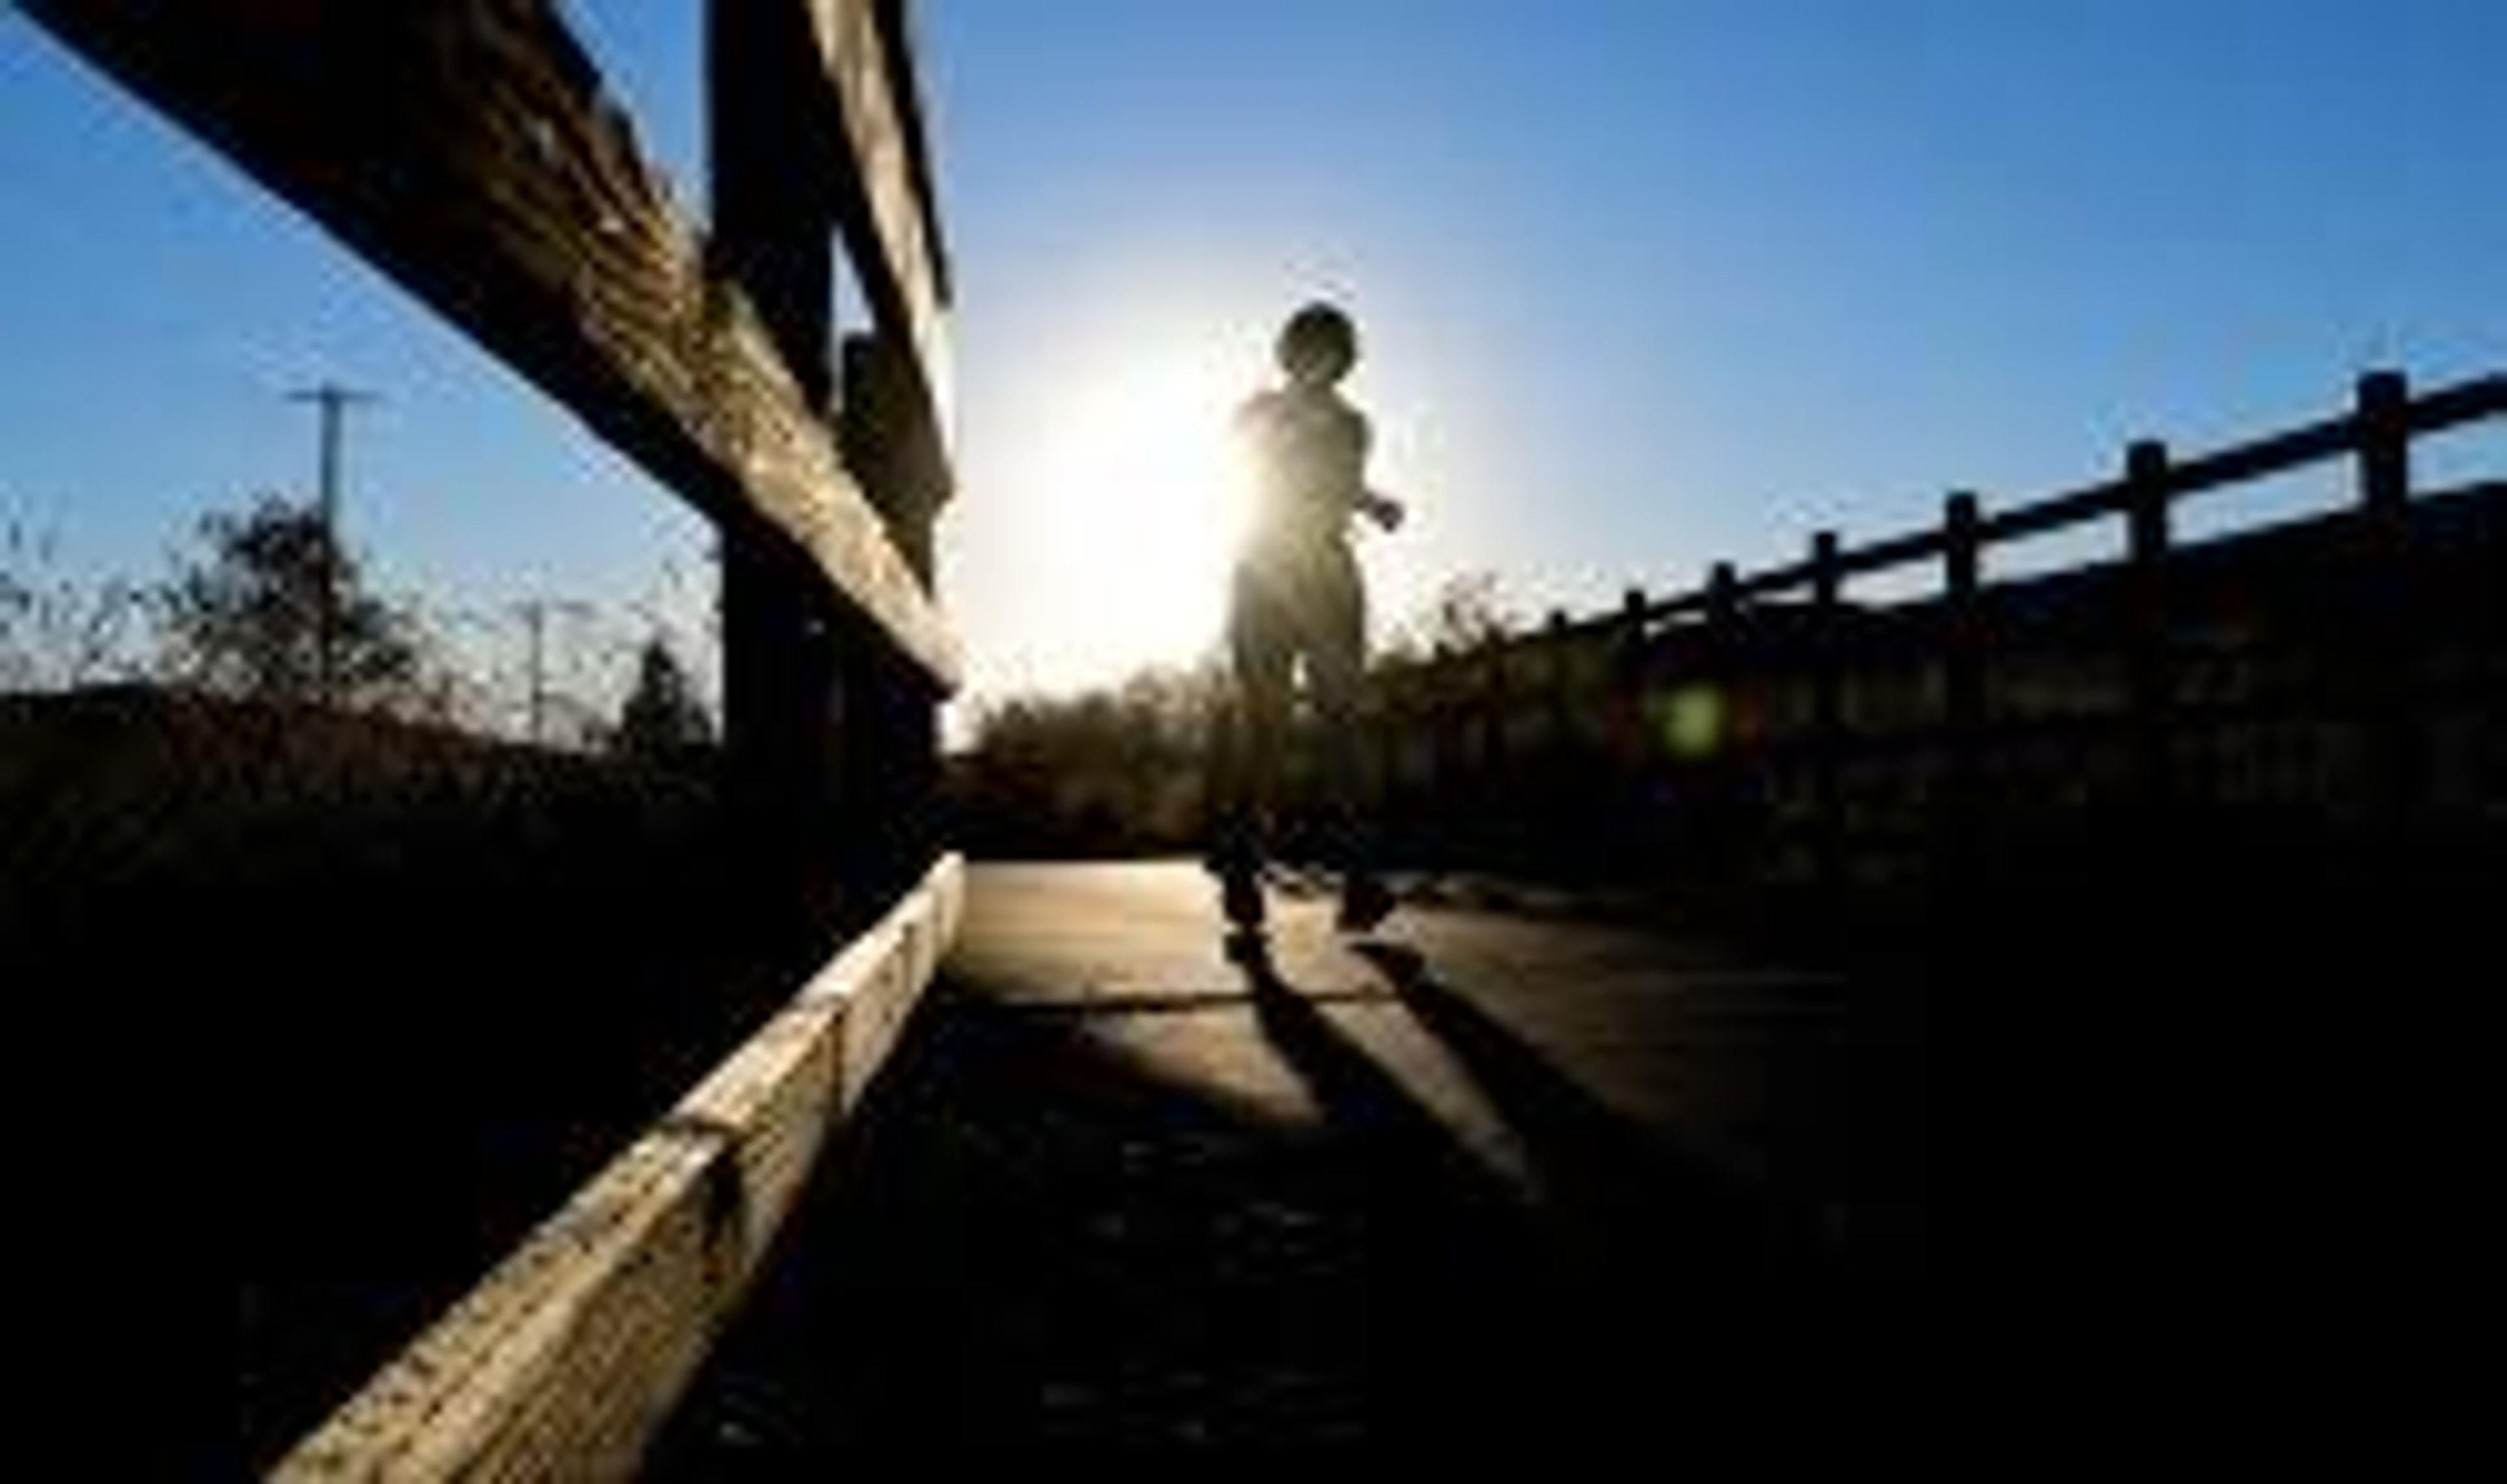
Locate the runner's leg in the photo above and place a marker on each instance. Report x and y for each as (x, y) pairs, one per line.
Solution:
(1336, 668)
(1245, 759)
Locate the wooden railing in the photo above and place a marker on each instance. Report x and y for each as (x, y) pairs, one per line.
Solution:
(562, 1362)
(1765, 713)
(469, 150)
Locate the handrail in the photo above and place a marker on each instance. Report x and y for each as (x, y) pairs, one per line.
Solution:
(2471, 400)
(470, 150)
(563, 1360)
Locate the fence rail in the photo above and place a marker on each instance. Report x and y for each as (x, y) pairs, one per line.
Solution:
(1764, 713)
(2385, 416)
(563, 1361)
(470, 150)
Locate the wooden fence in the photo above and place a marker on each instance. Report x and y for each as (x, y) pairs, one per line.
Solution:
(561, 1362)
(470, 150)
(2344, 671)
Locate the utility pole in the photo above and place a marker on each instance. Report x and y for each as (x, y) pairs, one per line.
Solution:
(333, 402)
(535, 612)
(535, 618)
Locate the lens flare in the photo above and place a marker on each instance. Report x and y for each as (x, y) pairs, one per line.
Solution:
(1137, 502)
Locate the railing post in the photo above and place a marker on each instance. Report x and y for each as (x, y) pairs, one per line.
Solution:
(1631, 637)
(774, 237)
(1630, 732)
(2149, 657)
(1826, 728)
(1403, 724)
(1556, 675)
(1721, 604)
(1962, 692)
(2382, 403)
(1721, 772)
(1439, 711)
(2386, 646)
(1497, 785)
(890, 757)
(1385, 741)
(1555, 796)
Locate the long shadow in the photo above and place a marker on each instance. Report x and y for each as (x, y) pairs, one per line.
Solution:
(1360, 1101)
(1032, 1235)
(1029, 1236)
(1711, 1287)
(1596, 1168)
(1467, 1309)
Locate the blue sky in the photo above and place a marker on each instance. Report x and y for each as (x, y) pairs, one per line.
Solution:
(1644, 283)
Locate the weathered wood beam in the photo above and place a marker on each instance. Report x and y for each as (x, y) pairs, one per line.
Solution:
(785, 718)
(467, 149)
(883, 188)
(564, 1360)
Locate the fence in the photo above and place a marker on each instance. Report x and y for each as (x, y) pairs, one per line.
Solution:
(469, 150)
(2343, 670)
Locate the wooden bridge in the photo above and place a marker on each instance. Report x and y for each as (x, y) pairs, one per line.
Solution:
(1611, 1162)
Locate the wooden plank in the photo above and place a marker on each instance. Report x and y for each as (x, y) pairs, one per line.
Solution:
(1896, 551)
(2470, 400)
(467, 149)
(788, 718)
(2098, 502)
(884, 191)
(901, 45)
(561, 1362)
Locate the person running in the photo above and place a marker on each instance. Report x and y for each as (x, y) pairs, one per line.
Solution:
(1299, 602)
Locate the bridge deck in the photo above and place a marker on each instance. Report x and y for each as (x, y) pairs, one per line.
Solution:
(1486, 1172)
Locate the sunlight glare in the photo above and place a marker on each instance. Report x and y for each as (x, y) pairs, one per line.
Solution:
(1138, 503)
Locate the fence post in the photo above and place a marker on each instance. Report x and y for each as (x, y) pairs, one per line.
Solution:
(1559, 709)
(1632, 620)
(2149, 660)
(1632, 737)
(1490, 703)
(2382, 400)
(2385, 650)
(1438, 678)
(1721, 772)
(1962, 691)
(1827, 729)
(1382, 696)
(890, 760)
(1497, 785)
(1558, 799)
(774, 236)
(1721, 604)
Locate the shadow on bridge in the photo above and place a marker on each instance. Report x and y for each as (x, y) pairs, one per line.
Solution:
(1643, 1210)
(1224, 1216)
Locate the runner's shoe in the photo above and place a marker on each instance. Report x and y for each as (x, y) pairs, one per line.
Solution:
(1364, 903)
(1240, 895)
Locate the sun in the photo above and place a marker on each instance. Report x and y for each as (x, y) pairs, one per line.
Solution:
(1137, 498)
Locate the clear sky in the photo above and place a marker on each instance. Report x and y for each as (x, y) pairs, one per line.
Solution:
(1643, 284)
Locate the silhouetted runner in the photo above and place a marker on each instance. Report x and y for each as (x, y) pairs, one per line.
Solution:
(1298, 603)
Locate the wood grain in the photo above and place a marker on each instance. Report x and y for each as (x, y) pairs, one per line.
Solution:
(467, 149)
(562, 1360)
(883, 185)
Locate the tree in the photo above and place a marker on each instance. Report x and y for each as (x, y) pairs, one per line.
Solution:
(1469, 611)
(270, 599)
(662, 716)
(1116, 768)
(56, 631)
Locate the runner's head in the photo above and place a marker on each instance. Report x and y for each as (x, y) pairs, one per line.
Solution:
(1317, 344)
